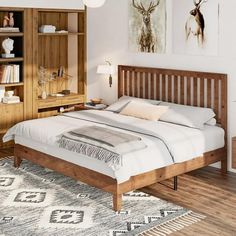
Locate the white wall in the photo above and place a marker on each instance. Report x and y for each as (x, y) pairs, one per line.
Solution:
(70, 4)
(108, 39)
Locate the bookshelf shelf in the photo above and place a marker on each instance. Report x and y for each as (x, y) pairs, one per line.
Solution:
(60, 34)
(12, 85)
(15, 59)
(9, 34)
(12, 104)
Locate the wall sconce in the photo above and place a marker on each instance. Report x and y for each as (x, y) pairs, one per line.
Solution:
(93, 3)
(108, 69)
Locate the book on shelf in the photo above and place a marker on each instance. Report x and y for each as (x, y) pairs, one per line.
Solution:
(9, 30)
(2, 93)
(9, 74)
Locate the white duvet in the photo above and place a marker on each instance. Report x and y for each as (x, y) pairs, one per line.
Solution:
(166, 143)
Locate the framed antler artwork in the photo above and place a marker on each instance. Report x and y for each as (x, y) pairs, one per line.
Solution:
(147, 26)
(196, 27)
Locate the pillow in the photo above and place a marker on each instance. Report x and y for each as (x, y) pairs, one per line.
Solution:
(194, 117)
(144, 110)
(124, 100)
(211, 122)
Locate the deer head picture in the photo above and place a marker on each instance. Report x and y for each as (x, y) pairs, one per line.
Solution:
(146, 37)
(195, 24)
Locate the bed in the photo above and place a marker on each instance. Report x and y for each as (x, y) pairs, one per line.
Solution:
(36, 141)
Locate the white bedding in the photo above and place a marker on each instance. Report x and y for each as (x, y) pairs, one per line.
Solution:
(184, 143)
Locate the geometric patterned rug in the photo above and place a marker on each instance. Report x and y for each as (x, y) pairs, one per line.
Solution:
(40, 202)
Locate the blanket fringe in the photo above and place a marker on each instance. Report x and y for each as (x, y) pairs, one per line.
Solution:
(174, 225)
(102, 154)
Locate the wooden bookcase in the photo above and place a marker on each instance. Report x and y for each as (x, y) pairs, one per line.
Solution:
(11, 114)
(55, 50)
(34, 49)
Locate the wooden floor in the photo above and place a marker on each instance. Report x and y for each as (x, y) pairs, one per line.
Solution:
(204, 191)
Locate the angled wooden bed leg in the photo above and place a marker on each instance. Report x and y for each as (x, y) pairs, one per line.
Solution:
(117, 202)
(224, 167)
(224, 164)
(17, 159)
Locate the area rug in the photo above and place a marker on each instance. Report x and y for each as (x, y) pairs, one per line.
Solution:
(37, 201)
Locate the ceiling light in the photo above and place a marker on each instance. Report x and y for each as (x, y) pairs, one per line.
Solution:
(94, 3)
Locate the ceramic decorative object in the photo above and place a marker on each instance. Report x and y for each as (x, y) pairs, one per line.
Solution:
(8, 46)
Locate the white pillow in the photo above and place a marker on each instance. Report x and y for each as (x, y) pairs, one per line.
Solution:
(211, 122)
(144, 110)
(124, 100)
(194, 117)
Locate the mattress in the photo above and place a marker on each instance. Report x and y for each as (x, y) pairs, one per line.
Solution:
(134, 165)
(183, 143)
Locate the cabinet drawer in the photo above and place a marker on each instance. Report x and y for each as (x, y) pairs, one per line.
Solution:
(47, 114)
(70, 100)
(47, 103)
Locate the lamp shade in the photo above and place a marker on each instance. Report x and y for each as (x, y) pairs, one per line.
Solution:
(106, 69)
(94, 3)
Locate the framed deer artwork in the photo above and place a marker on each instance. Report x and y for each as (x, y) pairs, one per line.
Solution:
(196, 27)
(147, 26)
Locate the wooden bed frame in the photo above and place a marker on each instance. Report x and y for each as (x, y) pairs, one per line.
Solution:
(182, 87)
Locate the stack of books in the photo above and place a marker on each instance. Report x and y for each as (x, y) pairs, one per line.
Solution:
(9, 30)
(9, 74)
(91, 105)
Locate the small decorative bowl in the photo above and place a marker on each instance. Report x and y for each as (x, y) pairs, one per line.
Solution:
(96, 100)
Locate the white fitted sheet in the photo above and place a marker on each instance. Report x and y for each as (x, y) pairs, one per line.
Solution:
(134, 165)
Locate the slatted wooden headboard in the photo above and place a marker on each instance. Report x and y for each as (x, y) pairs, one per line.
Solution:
(200, 89)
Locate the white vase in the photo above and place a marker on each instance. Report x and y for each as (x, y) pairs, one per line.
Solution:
(44, 95)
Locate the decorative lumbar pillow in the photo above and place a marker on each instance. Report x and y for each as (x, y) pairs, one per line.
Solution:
(194, 117)
(124, 100)
(144, 110)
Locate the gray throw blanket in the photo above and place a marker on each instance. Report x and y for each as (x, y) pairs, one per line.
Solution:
(101, 143)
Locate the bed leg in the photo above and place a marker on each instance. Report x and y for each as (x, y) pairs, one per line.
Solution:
(17, 162)
(117, 202)
(176, 183)
(224, 166)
